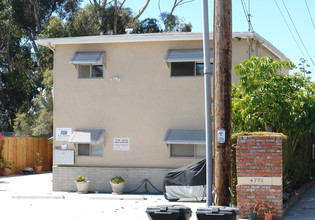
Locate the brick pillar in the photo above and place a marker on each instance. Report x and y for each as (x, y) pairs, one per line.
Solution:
(259, 172)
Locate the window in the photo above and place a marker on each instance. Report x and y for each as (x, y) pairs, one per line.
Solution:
(90, 149)
(187, 150)
(89, 64)
(90, 71)
(183, 69)
(187, 62)
(188, 69)
(88, 142)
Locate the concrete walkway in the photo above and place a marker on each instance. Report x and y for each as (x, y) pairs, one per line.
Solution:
(31, 197)
(304, 209)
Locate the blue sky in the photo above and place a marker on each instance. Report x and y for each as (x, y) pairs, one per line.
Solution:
(266, 20)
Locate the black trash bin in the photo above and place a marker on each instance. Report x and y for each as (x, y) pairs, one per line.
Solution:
(217, 213)
(170, 212)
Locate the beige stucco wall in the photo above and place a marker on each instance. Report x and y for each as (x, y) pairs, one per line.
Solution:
(142, 105)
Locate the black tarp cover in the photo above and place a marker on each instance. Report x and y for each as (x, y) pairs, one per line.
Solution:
(190, 175)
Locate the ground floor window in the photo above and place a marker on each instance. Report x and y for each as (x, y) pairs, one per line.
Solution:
(188, 150)
(90, 149)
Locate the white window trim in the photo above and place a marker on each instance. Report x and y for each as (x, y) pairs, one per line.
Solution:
(78, 71)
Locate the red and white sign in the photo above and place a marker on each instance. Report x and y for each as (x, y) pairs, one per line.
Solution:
(122, 144)
(63, 134)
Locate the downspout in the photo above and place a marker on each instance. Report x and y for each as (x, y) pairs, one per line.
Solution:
(250, 47)
(50, 47)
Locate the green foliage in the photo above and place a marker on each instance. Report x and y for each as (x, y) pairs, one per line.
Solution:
(267, 100)
(81, 179)
(38, 120)
(6, 164)
(149, 25)
(175, 24)
(297, 166)
(117, 180)
(17, 79)
(83, 23)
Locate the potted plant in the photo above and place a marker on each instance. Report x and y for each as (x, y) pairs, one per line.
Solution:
(82, 184)
(268, 209)
(117, 183)
(38, 163)
(251, 210)
(6, 167)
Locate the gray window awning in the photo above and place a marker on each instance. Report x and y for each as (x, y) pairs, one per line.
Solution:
(87, 136)
(186, 55)
(95, 57)
(174, 136)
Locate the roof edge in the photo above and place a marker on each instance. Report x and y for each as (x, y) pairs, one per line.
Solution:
(153, 37)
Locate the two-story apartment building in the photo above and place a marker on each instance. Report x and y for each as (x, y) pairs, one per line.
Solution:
(132, 105)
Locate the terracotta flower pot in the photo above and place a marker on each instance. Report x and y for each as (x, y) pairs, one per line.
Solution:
(268, 216)
(38, 169)
(5, 171)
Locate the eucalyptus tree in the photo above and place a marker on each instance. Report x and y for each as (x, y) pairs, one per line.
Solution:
(102, 7)
(170, 20)
(32, 15)
(17, 79)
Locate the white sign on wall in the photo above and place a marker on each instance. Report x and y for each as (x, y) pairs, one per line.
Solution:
(122, 144)
(63, 134)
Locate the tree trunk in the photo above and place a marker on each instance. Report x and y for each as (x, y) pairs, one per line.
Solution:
(142, 10)
(115, 18)
(222, 98)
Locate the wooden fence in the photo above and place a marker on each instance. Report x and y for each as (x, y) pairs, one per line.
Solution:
(22, 152)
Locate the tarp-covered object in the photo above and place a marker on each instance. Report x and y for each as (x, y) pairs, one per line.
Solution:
(186, 182)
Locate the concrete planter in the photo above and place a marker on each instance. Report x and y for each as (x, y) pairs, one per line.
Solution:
(117, 188)
(83, 187)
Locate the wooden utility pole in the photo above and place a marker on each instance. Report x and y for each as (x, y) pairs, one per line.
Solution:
(222, 99)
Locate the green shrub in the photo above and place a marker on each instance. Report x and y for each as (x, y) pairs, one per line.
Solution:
(81, 179)
(297, 165)
(117, 180)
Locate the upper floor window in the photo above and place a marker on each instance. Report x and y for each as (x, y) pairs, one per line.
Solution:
(188, 69)
(187, 62)
(89, 64)
(90, 71)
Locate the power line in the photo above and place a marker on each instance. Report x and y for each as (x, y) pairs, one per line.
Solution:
(289, 29)
(308, 9)
(247, 15)
(298, 34)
